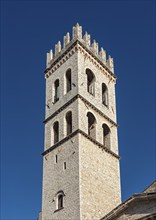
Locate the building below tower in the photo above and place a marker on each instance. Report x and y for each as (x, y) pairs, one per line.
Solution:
(140, 206)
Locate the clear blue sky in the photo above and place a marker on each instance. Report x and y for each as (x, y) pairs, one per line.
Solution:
(126, 29)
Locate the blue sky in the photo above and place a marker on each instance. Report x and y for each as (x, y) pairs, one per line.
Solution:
(126, 30)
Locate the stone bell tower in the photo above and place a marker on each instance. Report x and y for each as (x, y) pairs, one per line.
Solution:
(81, 177)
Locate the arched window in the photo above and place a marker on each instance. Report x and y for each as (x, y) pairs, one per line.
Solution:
(91, 125)
(59, 200)
(104, 94)
(68, 80)
(90, 82)
(106, 136)
(56, 132)
(56, 90)
(69, 122)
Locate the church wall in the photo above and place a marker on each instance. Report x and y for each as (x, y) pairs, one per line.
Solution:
(138, 209)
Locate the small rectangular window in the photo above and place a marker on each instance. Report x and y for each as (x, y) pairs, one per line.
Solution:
(65, 166)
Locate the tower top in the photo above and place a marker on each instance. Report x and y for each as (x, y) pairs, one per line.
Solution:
(86, 41)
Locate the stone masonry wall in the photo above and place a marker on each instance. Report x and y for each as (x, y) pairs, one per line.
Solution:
(99, 181)
(62, 124)
(55, 178)
(60, 74)
(83, 64)
(83, 125)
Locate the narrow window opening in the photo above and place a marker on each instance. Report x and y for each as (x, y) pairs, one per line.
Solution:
(91, 125)
(90, 82)
(65, 166)
(60, 201)
(56, 158)
(69, 122)
(106, 136)
(68, 80)
(104, 95)
(56, 90)
(56, 132)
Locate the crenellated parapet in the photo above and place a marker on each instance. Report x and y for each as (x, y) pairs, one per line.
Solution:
(86, 41)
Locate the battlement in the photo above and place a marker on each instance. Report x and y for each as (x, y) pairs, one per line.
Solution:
(86, 40)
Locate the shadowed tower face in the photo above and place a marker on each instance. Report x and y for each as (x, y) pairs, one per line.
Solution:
(81, 178)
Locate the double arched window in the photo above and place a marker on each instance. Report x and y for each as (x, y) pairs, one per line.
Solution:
(91, 125)
(90, 82)
(55, 128)
(92, 130)
(68, 85)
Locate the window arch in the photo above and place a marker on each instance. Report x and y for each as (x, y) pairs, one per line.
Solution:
(106, 136)
(104, 94)
(90, 82)
(69, 122)
(56, 90)
(68, 80)
(91, 125)
(56, 132)
(59, 200)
